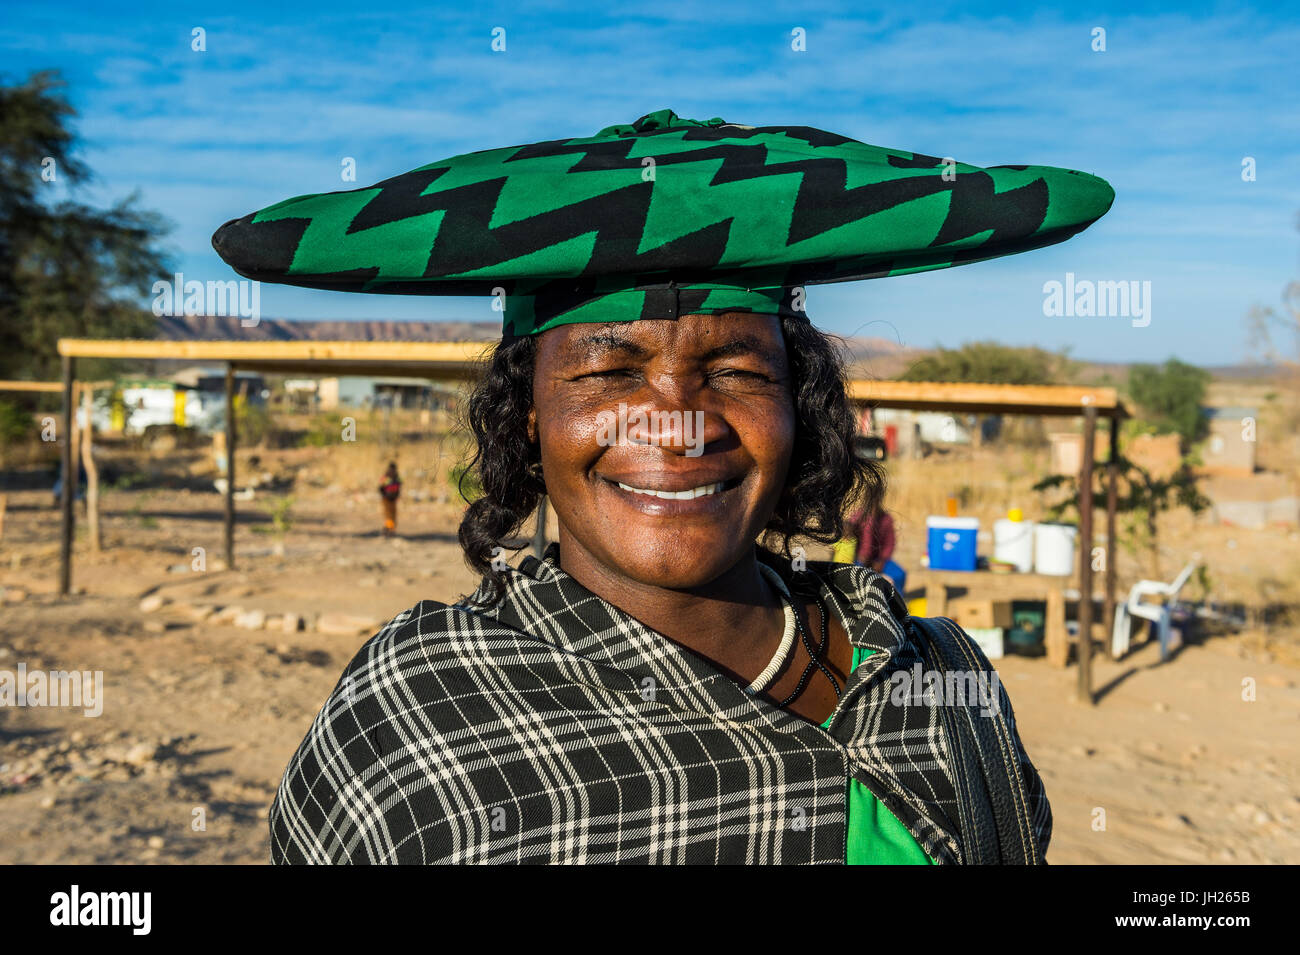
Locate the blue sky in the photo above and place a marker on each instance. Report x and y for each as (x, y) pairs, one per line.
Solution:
(1167, 114)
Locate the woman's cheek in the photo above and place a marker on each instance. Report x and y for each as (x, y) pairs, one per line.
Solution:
(571, 424)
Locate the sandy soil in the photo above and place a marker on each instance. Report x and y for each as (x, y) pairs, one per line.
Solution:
(200, 715)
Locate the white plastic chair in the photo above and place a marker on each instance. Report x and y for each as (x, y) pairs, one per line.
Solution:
(1159, 614)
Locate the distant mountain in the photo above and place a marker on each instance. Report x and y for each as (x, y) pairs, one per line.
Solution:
(871, 357)
(880, 358)
(215, 328)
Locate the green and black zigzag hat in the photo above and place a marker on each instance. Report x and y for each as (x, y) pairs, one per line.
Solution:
(665, 217)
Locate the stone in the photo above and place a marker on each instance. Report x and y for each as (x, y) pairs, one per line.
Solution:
(251, 620)
(153, 603)
(291, 623)
(228, 614)
(201, 612)
(345, 625)
(155, 842)
(155, 626)
(140, 754)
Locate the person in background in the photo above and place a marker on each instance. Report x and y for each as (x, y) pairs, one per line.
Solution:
(874, 531)
(390, 489)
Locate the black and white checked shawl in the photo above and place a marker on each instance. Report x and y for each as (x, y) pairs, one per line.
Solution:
(559, 729)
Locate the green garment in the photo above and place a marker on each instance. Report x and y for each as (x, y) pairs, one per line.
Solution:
(876, 837)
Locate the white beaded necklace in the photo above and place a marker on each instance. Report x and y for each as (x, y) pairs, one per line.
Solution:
(762, 681)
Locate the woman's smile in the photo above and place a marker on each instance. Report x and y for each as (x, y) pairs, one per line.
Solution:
(665, 494)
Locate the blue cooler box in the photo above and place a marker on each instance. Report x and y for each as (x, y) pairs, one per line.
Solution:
(951, 542)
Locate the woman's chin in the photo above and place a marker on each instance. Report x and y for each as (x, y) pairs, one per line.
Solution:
(674, 561)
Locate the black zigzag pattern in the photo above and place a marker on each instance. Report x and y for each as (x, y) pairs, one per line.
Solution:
(975, 207)
(400, 198)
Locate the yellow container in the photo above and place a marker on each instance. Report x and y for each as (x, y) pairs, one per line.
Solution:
(844, 550)
(916, 606)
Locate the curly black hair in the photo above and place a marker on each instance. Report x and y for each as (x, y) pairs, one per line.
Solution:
(824, 477)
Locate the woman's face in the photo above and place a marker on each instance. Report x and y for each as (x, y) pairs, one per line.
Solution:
(631, 415)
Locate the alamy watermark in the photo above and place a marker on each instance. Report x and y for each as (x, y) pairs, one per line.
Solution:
(74, 688)
(651, 427)
(1085, 298)
(950, 688)
(231, 298)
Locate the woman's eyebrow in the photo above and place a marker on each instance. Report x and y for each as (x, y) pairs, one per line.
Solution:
(744, 346)
(599, 345)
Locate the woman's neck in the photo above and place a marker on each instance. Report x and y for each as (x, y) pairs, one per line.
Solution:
(734, 620)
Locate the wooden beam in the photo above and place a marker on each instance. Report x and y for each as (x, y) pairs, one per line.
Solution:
(1064, 400)
(249, 352)
(50, 386)
(66, 529)
(1112, 500)
(1084, 645)
(88, 461)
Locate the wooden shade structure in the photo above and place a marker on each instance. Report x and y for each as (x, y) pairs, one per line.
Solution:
(450, 361)
(1066, 401)
(436, 361)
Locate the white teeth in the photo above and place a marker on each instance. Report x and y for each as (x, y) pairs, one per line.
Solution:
(701, 491)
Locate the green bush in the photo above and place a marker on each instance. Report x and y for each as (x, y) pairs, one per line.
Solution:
(281, 519)
(323, 431)
(991, 363)
(16, 425)
(252, 424)
(1170, 397)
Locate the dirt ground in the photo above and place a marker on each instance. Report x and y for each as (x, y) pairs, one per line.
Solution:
(201, 713)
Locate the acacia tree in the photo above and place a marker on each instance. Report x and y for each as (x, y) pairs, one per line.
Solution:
(1170, 396)
(992, 363)
(66, 268)
(1140, 500)
(1274, 336)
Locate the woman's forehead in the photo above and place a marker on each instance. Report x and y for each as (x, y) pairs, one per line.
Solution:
(689, 333)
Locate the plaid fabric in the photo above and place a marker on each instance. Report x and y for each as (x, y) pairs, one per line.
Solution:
(558, 729)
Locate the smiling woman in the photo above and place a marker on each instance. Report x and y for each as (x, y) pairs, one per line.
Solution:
(673, 681)
(665, 535)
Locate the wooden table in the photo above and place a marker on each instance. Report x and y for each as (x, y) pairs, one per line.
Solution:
(986, 585)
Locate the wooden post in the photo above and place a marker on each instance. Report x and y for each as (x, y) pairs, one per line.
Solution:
(92, 472)
(76, 438)
(230, 466)
(69, 480)
(1056, 641)
(1084, 692)
(539, 535)
(1112, 499)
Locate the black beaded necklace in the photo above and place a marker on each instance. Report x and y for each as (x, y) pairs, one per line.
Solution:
(814, 652)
